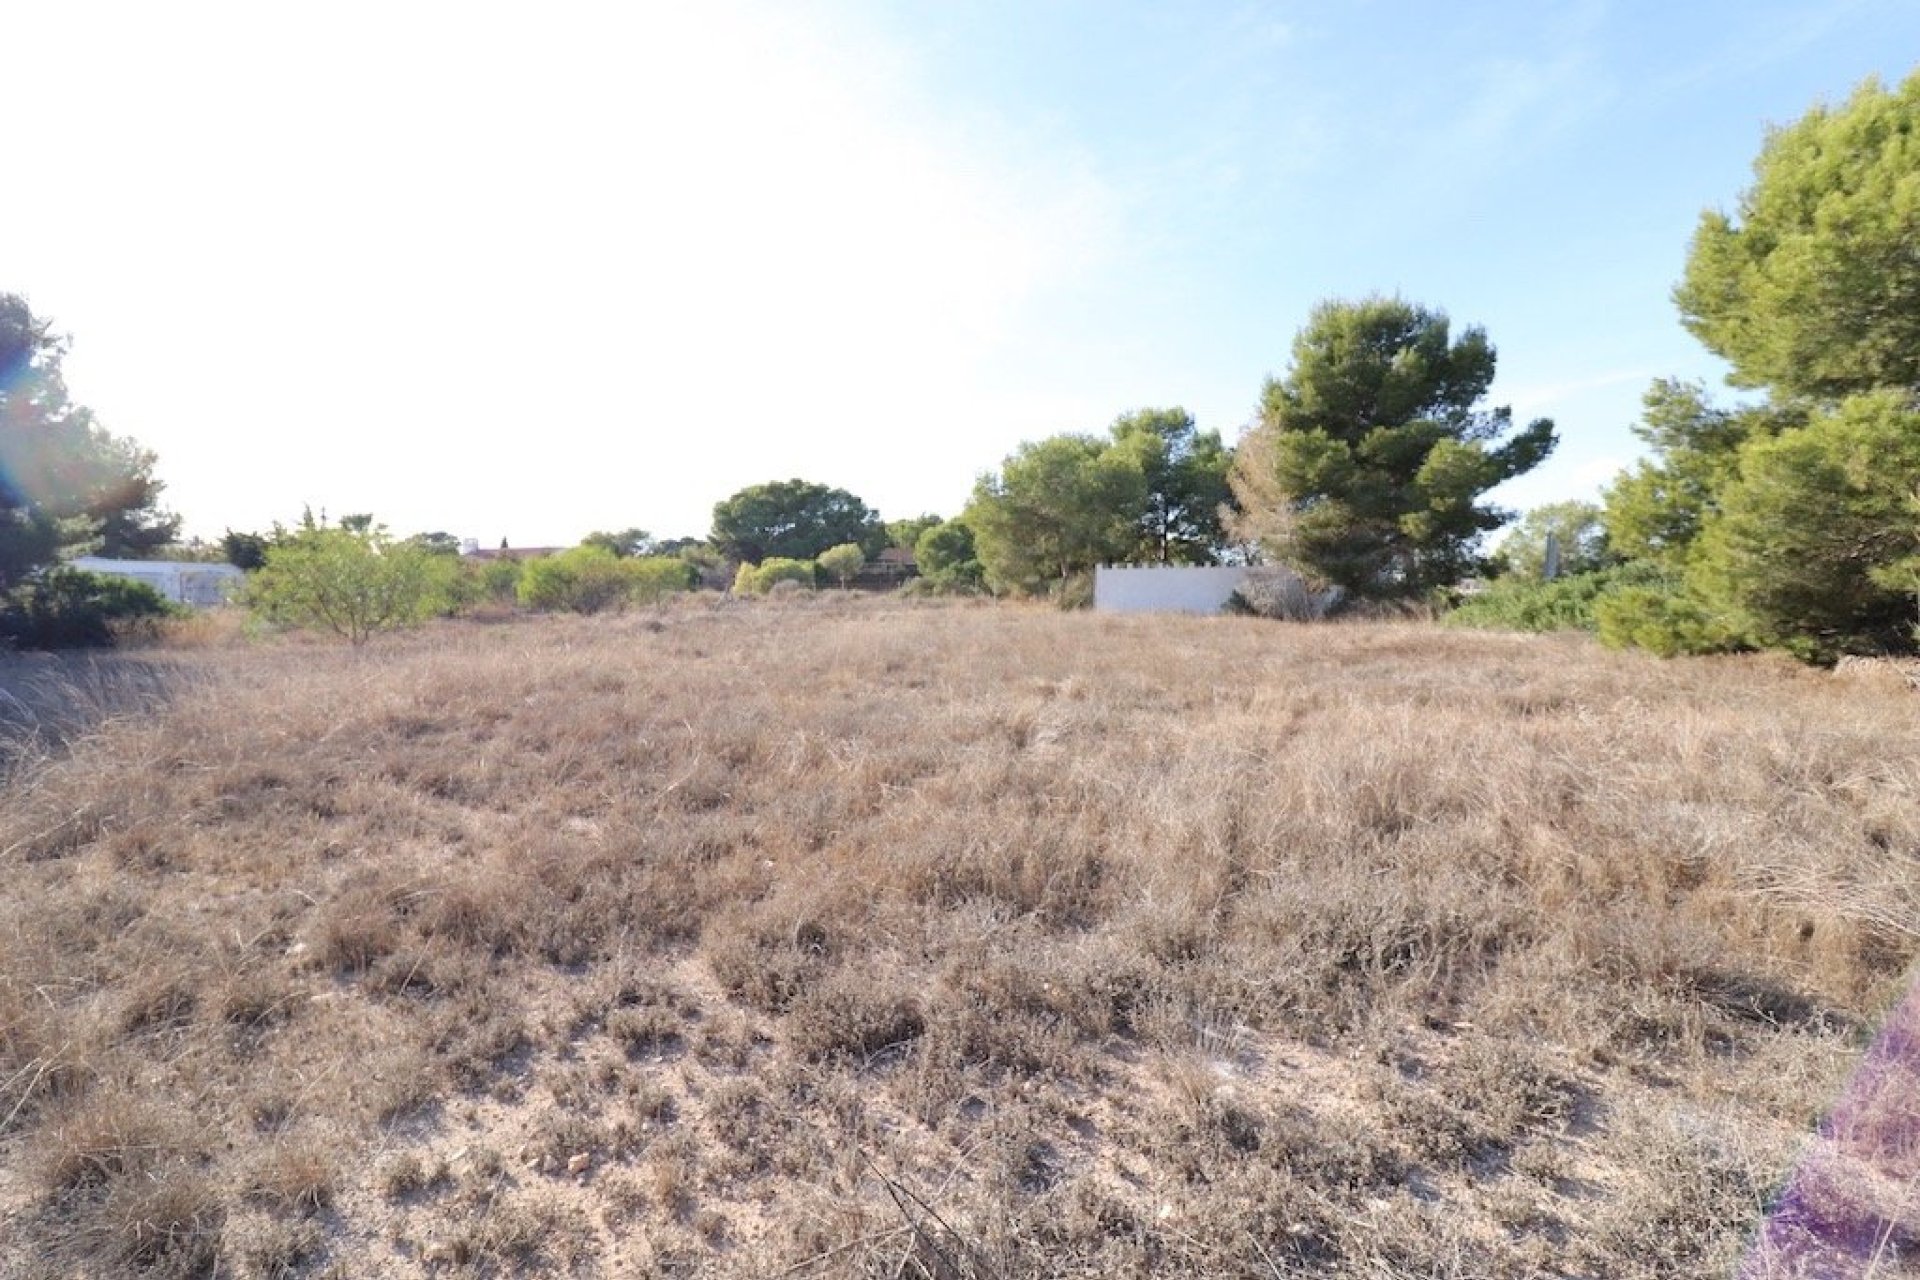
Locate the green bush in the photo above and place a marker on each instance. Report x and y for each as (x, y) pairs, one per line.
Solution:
(1664, 620)
(759, 579)
(1521, 603)
(352, 582)
(1638, 605)
(70, 609)
(651, 578)
(588, 579)
(948, 562)
(842, 563)
(500, 579)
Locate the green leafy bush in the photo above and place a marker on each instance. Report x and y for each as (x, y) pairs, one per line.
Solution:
(500, 579)
(841, 563)
(351, 581)
(759, 579)
(70, 609)
(1666, 620)
(651, 578)
(1639, 605)
(948, 562)
(588, 579)
(1521, 603)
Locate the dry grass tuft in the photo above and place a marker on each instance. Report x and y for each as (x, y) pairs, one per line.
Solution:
(829, 936)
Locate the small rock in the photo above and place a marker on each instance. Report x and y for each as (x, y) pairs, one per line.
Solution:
(579, 1164)
(438, 1251)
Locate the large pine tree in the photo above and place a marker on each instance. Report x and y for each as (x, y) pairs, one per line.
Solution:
(1368, 463)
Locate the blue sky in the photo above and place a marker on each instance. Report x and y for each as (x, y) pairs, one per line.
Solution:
(527, 271)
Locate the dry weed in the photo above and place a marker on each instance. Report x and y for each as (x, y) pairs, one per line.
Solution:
(1125, 946)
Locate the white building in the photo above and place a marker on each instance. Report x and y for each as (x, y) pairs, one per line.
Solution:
(181, 581)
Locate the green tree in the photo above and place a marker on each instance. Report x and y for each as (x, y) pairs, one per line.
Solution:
(1808, 549)
(245, 550)
(947, 558)
(352, 582)
(1185, 475)
(1056, 508)
(439, 542)
(66, 484)
(1656, 510)
(905, 534)
(627, 542)
(1578, 530)
(1787, 524)
(1812, 287)
(1368, 460)
(842, 563)
(795, 520)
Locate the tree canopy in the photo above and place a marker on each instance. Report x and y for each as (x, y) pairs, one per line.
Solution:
(1808, 548)
(1812, 287)
(623, 543)
(66, 484)
(947, 558)
(1150, 491)
(1367, 463)
(905, 534)
(842, 563)
(1578, 533)
(793, 519)
(352, 581)
(1184, 472)
(1791, 523)
(1055, 508)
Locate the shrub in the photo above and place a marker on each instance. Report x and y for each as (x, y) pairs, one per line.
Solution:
(352, 582)
(583, 580)
(1665, 620)
(588, 579)
(1519, 602)
(500, 579)
(947, 561)
(69, 609)
(762, 578)
(651, 578)
(1282, 594)
(842, 562)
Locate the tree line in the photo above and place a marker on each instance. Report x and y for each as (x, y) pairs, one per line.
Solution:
(1788, 518)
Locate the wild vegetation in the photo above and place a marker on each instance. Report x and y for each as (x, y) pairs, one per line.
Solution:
(829, 936)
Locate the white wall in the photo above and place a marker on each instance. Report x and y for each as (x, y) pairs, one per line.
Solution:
(181, 581)
(1165, 589)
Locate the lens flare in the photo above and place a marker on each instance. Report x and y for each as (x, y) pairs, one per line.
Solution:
(1852, 1205)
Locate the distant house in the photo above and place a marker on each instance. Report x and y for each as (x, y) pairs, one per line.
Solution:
(889, 569)
(181, 581)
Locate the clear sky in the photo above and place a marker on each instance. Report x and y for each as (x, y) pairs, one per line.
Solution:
(529, 270)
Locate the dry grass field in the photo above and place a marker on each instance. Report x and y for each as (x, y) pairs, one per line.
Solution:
(834, 937)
